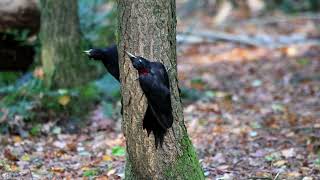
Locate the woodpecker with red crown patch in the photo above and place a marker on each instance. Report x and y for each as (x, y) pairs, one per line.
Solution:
(154, 82)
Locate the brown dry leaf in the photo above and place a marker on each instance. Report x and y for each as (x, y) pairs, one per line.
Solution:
(9, 155)
(291, 117)
(59, 153)
(72, 146)
(198, 86)
(241, 53)
(305, 170)
(14, 168)
(38, 73)
(310, 148)
(57, 169)
(17, 139)
(293, 174)
(219, 121)
(102, 178)
(280, 163)
(307, 119)
(272, 122)
(95, 162)
(290, 51)
(263, 174)
(218, 129)
(182, 76)
(210, 108)
(68, 177)
(85, 168)
(226, 104)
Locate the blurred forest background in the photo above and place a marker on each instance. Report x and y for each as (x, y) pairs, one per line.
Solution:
(249, 73)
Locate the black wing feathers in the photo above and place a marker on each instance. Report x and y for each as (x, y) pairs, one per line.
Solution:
(110, 61)
(156, 87)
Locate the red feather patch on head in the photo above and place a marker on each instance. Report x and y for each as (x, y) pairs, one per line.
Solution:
(143, 71)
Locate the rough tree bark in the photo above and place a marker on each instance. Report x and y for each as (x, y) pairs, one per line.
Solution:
(63, 61)
(148, 28)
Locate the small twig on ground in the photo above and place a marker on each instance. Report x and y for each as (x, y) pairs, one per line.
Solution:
(276, 177)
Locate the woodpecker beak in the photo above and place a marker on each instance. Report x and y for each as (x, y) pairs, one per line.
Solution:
(130, 55)
(88, 52)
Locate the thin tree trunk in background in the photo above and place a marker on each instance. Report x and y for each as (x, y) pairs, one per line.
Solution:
(148, 28)
(62, 58)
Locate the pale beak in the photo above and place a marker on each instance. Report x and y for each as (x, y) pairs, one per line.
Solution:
(88, 51)
(130, 55)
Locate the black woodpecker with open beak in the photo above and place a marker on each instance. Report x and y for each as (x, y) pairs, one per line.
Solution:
(109, 58)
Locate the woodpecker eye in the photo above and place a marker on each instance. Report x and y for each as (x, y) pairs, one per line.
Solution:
(140, 60)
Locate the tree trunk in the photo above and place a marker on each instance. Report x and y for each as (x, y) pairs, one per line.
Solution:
(63, 61)
(148, 28)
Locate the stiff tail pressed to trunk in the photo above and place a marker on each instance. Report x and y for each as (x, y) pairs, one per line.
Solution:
(150, 124)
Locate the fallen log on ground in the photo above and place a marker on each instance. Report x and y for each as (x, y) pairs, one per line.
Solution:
(19, 14)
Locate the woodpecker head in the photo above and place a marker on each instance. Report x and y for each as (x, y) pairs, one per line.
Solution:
(96, 54)
(139, 63)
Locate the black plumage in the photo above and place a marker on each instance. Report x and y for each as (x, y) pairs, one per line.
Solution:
(154, 82)
(109, 58)
(157, 119)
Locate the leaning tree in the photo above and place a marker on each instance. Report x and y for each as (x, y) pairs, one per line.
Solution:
(148, 28)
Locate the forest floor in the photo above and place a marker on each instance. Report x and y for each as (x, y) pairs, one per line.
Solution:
(254, 114)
